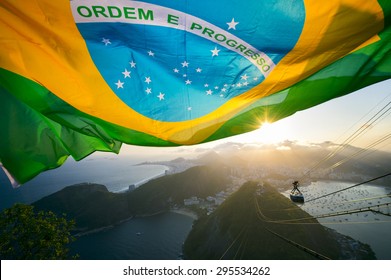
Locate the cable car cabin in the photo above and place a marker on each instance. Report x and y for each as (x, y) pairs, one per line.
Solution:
(297, 197)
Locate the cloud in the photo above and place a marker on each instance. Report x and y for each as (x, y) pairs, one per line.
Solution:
(229, 146)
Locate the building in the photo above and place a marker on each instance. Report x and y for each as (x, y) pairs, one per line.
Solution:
(191, 201)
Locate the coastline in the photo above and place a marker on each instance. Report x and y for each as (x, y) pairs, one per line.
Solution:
(96, 230)
(358, 226)
(185, 212)
(146, 180)
(181, 211)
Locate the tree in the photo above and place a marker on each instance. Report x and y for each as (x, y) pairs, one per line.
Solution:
(26, 234)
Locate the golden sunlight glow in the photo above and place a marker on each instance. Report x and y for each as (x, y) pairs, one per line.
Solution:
(269, 133)
(273, 133)
(265, 125)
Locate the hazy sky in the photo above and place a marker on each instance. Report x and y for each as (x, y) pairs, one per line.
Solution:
(334, 121)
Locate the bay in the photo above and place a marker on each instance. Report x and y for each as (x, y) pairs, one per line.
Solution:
(115, 172)
(158, 237)
(372, 228)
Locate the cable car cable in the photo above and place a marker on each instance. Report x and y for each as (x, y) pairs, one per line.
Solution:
(361, 151)
(297, 245)
(356, 185)
(352, 137)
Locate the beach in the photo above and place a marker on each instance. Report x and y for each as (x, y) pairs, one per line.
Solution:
(186, 212)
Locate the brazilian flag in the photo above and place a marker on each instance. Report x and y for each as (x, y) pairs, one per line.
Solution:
(78, 76)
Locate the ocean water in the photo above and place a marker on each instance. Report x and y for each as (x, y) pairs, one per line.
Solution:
(161, 236)
(368, 227)
(158, 237)
(113, 171)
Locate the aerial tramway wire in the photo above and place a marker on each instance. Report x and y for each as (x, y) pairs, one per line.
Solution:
(361, 199)
(367, 125)
(336, 204)
(380, 212)
(361, 151)
(243, 242)
(361, 130)
(381, 114)
(295, 244)
(232, 243)
(340, 222)
(357, 122)
(340, 213)
(344, 189)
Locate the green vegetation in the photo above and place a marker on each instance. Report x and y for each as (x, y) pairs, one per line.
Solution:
(158, 195)
(238, 229)
(93, 206)
(90, 205)
(26, 234)
(243, 227)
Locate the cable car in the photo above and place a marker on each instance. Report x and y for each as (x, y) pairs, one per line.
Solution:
(296, 195)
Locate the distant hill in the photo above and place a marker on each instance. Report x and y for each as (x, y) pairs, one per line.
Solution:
(158, 194)
(93, 206)
(288, 160)
(208, 158)
(237, 230)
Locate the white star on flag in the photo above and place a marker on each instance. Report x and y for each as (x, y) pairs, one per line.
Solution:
(176, 70)
(132, 64)
(161, 96)
(188, 82)
(151, 53)
(126, 73)
(215, 52)
(232, 24)
(106, 41)
(148, 80)
(119, 84)
(185, 64)
(209, 92)
(244, 77)
(189, 108)
(148, 90)
(199, 70)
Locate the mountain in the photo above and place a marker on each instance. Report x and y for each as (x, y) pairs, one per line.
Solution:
(210, 157)
(159, 194)
(290, 160)
(246, 226)
(93, 206)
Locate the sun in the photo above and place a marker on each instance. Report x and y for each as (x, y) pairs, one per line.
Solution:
(272, 133)
(266, 125)
(268, 133)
